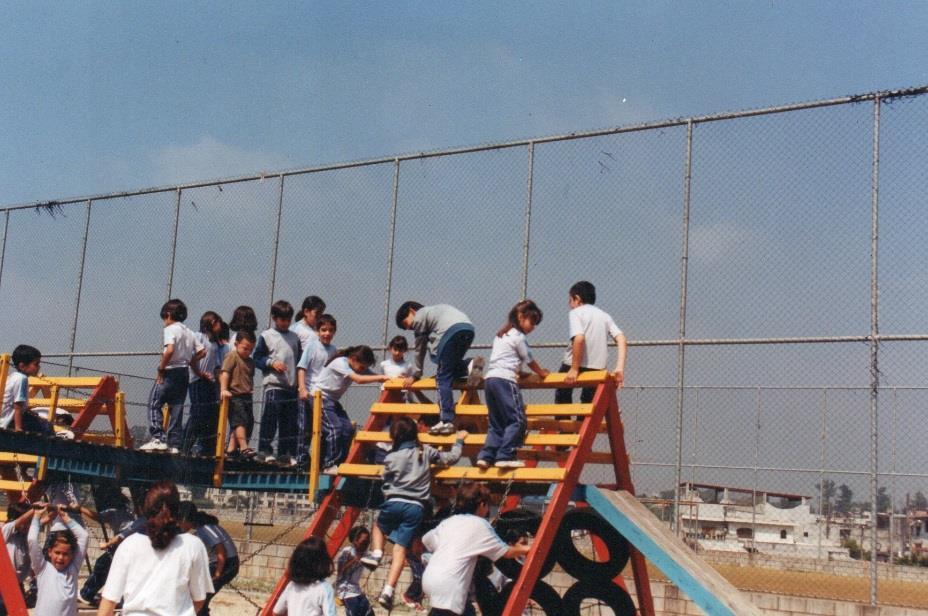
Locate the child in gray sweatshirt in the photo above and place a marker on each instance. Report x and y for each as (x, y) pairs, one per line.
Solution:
(407, 490)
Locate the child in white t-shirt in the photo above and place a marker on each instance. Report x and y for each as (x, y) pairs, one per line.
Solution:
(590, 331)
(352, 365)
(455, 545)
(308, 593)
(19, 516)
(307, 326)
(505, 405)
(316, 354)
(14, 412)
(57, 566)
(181, 351)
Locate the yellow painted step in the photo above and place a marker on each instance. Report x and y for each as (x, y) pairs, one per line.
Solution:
(559, 425)
(22, 458)
(553, 380)
(562, 440)
(68, 404)
(480, 410)
(12, 484)
(466, 472)
(68, 382)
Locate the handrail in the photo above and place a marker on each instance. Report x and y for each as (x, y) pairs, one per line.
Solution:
(221, 442)
(553, 380)
(316, 449)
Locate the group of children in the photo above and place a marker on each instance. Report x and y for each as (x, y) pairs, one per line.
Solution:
(55, 562)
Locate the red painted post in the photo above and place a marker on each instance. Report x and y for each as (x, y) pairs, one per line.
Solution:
(10, 589)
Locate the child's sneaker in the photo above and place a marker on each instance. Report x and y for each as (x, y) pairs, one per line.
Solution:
(475, 372)
(509, 464)
(267, 458)
(371, 559)
(442, 428)
(330, 470)
(483, 464)
(173, 450)
(413, 604)
(154, 445)
(287, 461)
(385, 601)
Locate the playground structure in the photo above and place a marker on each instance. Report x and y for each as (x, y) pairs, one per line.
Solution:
(561, 437)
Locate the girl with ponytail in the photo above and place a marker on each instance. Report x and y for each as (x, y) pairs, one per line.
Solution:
(351, 365)
(164, 571)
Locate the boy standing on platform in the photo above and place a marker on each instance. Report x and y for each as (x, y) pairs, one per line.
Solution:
(590, 330)
(276, 354)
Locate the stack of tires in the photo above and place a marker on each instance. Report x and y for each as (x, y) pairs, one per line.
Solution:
(594, 578)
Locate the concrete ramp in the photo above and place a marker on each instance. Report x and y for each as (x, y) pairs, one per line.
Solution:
(709, 590)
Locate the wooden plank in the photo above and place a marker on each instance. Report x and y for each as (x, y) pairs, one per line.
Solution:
(68, 404)
(553, 380)
(65, 382)
(465, 472)
(560, 440)
(702, 584)
(22, 458)
(480, 410)
(14, 485)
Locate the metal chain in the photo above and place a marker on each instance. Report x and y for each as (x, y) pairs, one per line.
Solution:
(502, 500)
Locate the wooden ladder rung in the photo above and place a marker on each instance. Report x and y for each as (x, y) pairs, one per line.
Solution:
(65, 382)
(68, 404)
(466, 472)
(480, 410)
(14, 485)
(21, 458)
(560, 440)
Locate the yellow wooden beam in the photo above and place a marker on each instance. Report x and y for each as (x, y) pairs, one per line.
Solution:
(553, 380)
(14, 485)
(561, 440)
(65, 382)
(480, 410)
(21, 458)
(519, 475)
(68, 404)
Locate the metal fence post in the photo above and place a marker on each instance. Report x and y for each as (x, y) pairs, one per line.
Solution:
(280, 209)
(528, 218)
(6, 227)
(821, 474)
(80, 285)
(874, 341)
(754, 480)
(174, 244)
(681, 349)
(386, 300)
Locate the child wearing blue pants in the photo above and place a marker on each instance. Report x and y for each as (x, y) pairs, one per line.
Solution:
(276, 354)
(504, 398)
(447, 334)
(181, 350)
(352, 365)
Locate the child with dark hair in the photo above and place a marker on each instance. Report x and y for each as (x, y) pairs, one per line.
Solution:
(446, 333)
(315, 356)
(236, 383)
(276, 354)
(307, 326)
(456, 544)
(243, 319)
(308, 593)
(407, 490)
(15, 412)
(15, 532)
(164, 570)
(348, 570)
(200, 432)
(590, 331)
(57, 566)
(223, 555)
(181, 351)
(504, 398)
(351, 365)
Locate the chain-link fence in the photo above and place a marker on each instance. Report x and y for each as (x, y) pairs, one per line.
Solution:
(767, 266)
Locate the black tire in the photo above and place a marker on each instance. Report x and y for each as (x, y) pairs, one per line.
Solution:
(516, 523)
(579, 566)
(543, 595)
(512, 568)
(612, 595)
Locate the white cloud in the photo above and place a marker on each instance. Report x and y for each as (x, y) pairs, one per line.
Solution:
(720, 241)
(208, 158)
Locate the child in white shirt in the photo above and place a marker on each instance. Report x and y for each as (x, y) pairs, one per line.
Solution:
(316, 354)
(58, 565)
(308, 593)
(505, 405)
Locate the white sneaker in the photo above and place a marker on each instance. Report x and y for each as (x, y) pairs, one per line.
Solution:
(331, 470)
(154, 445)
(442, 428)
(173, 450)
(475, 372)
(269, 458)
(509, 464)
(484, 464)
(65, 434)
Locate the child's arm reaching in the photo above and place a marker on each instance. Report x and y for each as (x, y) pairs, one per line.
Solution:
(367, 378)
(619, 373)
(447, 458)
(576, 355)
(224, 378)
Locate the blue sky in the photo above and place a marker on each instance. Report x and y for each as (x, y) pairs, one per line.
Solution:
(105, 96)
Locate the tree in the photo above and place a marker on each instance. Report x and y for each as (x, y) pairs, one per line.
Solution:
(920, 502)
(826, 491)
(844, 500)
